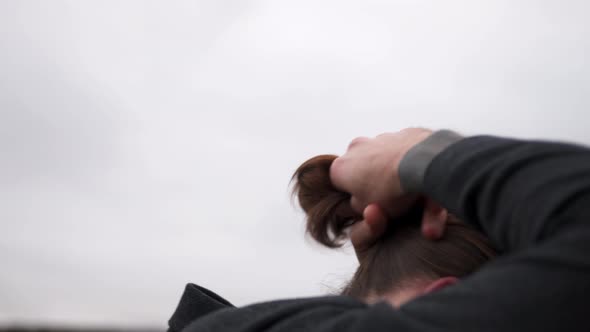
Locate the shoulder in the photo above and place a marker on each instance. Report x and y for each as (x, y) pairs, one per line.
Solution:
(300, 314)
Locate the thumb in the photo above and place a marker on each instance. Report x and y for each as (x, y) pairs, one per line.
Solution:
(363, 234)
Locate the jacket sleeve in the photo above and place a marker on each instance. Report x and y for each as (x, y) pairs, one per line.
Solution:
(533, 200)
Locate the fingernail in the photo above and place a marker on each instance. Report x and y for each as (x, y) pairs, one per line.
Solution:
(429, 232)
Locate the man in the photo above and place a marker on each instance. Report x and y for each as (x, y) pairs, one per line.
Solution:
(532, 199)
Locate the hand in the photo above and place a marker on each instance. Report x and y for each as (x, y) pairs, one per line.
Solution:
(366, 232)
(368, 170)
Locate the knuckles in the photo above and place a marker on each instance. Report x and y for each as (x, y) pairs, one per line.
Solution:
(356, 141)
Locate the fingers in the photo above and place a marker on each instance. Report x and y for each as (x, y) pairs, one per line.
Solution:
(339, 174)
(357, 205)
(364, 233)
(434, 220)
(375, 217)
(374, 224)
(432, 230)
(348, 172)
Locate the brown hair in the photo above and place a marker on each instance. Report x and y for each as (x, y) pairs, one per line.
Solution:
(399, 257)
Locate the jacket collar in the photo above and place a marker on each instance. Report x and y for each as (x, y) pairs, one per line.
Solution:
(196, 301)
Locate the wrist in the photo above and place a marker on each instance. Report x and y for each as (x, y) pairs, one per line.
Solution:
(414, 163)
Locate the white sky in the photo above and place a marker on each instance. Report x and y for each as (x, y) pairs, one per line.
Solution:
(147, 144)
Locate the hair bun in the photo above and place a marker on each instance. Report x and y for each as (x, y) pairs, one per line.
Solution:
(328, 210)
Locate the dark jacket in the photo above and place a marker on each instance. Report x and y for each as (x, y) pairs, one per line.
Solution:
(531, 198)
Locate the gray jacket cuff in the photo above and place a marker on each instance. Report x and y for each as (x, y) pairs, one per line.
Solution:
(413, 166)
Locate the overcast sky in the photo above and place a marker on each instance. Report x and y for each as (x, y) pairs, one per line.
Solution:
(147, 144)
